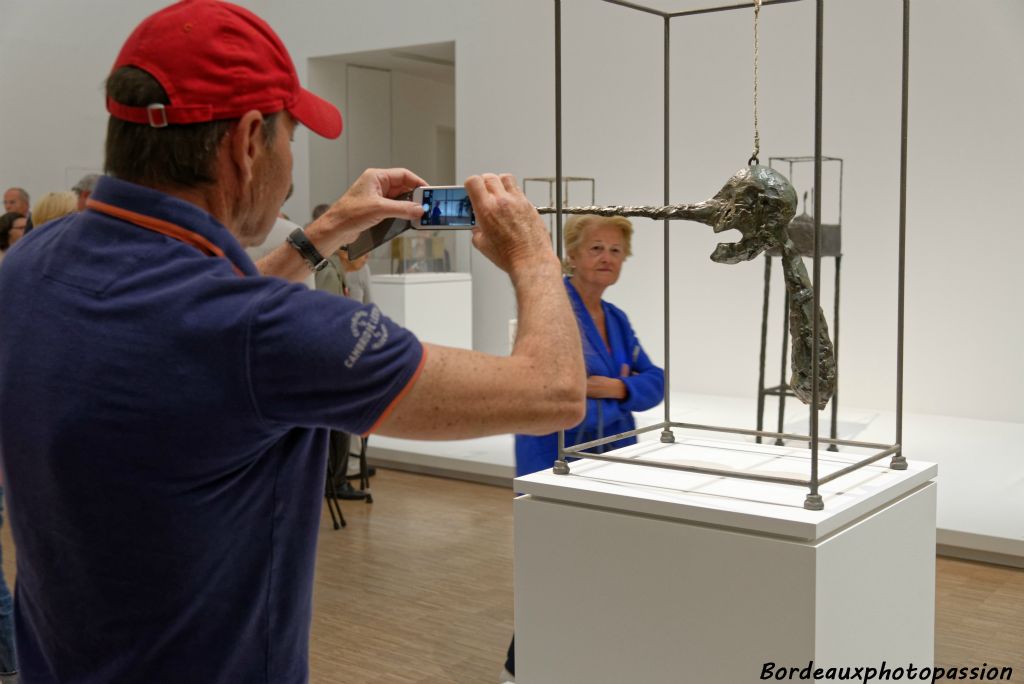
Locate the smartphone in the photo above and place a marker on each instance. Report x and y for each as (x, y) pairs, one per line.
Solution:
(444, 206)
(388, 229)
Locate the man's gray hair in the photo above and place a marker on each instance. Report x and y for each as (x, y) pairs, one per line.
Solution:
(23, 193)
(86, 183)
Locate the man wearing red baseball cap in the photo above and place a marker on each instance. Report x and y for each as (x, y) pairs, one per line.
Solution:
(165, 491)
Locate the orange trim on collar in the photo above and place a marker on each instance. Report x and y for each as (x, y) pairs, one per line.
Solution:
(171, 230)
(401, 395)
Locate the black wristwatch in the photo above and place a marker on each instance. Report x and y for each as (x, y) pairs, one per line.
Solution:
(314, 259)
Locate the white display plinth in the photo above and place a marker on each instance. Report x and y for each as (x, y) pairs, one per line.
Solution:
(437, 307)
(632, 574)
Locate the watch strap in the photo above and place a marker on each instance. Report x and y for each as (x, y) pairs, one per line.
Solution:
(302, 244)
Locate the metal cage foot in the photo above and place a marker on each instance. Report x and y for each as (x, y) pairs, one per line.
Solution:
(898, 462)
(814, 502)
(667, 436)
(561, 467)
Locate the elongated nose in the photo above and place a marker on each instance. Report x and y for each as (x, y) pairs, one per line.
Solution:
(706, 212)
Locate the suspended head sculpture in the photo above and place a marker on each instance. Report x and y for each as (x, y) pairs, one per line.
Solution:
(759, 202)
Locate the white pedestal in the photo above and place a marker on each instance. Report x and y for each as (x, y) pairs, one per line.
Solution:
(438, 307)
(633, 574)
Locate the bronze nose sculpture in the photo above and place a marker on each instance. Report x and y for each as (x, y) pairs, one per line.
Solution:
(759, 202)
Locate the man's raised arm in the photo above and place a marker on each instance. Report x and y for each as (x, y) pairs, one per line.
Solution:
(541, 387)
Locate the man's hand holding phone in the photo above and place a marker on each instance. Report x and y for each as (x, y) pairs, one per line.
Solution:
(370, 200)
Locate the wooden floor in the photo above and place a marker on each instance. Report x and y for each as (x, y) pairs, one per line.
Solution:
(418, 589)
(979, 615)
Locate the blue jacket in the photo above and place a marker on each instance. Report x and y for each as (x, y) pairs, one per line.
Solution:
(645, 387)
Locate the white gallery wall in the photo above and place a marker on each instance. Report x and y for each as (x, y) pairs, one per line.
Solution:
(965, 326)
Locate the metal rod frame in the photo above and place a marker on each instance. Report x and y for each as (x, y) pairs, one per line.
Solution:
(666, 435)
(580, 451)
(689, 13)
(899, 462)
(718, 428)
(761, 392)
(813, 500)
(561, 466)
(805, 158)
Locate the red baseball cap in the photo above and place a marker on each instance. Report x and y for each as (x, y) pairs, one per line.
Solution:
(217, 61)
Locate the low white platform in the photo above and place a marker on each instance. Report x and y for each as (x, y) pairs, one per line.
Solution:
(980, 502)
(632, 574)
(748, 505)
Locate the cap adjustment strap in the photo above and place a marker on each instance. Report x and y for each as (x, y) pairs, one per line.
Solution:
(160, 115)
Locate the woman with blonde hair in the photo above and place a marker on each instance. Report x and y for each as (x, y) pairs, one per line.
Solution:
(52, 206)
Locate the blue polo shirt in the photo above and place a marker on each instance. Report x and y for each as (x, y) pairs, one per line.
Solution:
(163, 427)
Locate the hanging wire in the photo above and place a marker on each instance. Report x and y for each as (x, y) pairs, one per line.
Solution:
(757, 132)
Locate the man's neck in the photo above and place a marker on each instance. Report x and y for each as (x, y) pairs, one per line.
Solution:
(213, 200)
(207, 199)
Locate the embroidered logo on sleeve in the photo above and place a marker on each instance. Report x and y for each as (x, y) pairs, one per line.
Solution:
(369, 331)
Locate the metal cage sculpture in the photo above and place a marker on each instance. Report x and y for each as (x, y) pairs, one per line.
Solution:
(813, 499)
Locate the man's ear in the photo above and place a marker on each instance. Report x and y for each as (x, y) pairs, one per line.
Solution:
(247, 144)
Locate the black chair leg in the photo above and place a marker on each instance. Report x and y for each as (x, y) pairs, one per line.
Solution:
(364, 471)
(333, 505)
(337, 518)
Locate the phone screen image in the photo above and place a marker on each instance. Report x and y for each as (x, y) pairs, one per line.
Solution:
(447, 207)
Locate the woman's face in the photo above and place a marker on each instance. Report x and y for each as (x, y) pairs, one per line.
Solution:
(597, 261)
(17, 230)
